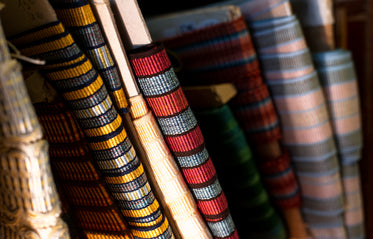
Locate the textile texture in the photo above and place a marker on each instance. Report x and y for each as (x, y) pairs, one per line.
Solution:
(164, 95)
(73, 76)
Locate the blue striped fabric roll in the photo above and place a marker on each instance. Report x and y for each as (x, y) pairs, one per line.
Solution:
(307, 130)
(337, 75)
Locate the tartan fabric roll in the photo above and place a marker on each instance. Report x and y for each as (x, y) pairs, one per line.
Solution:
(305, 122)
(78, 18)
(224, 53)
(74, 77)
(177, 196)
(94, 209)
(163, 93)
(338, 78)
(30, 206)
(242, 183)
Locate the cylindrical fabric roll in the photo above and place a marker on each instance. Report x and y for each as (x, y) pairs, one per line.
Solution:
(305, 122)
(338, 78)
(242, 181)
(162, 91)
(224, 53)
(175, 193)
(78, 18)
(74, 77)
(317, 20)
(94, 209)
(30, 205)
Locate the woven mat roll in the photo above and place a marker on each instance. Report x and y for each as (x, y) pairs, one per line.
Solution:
(306, 125)
(163, 93)
(242, 181)
(224, 52)
(338, 78)
(30, 206)
(73, 76)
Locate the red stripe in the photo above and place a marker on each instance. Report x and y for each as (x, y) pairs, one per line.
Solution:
(213, 207)
(151, 65)
(186, 142)
(200, 174)
(167, 105)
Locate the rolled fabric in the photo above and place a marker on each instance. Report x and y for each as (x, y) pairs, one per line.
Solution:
(338, 78)
(30, 205)
(164, 95)
(306, 125)
(74, 77)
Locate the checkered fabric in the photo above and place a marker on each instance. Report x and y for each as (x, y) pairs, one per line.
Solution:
(338, 78)
(78, 18)
(162, 91)
(307, 131)
(242, 182)
(73, 76)
(30, 206)
(94, 209)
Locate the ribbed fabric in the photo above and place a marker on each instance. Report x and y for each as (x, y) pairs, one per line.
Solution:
(78, 18)
(175, 193)
(30, 206)
(92, 205)
(74, 77)
(305, 122)
(242, 182)
(162, 91)
(338, 78)
(225, 53)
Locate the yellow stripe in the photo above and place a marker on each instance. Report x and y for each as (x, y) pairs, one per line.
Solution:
(119, 98)
(110, 143)
(152, 234)
(104, 129)
(71, 72)
(38, 35)
(142, 212)
(86, 91)
(81, 58)
(48, 46)
(76, 17)
(127, 177)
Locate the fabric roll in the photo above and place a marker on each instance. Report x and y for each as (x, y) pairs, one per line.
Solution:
(73, 76)
(338, 78)
(78, 18)
(177, 196)
(306, 125)
(94, 209)
(224, 52)
(241, 175)
(163, 93)
(30, 205)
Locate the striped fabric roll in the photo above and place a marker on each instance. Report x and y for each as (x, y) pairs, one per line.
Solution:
(176, 194)
(93, 207)
(74, 77)
(305, 122)
(78, 18)
(30, 205)
(224, 52)
(255, 215)
(163, 93)
(338, 78)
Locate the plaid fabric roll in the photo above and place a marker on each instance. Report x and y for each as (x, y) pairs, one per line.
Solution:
(74, 77)
(93, 207)
(30, 206)
(305, 122)
(242, 183)
(78, 18)
(224, 53)
(164, 95)
(338, 78)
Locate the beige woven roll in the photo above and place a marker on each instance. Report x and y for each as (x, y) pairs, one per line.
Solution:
(177, 196)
